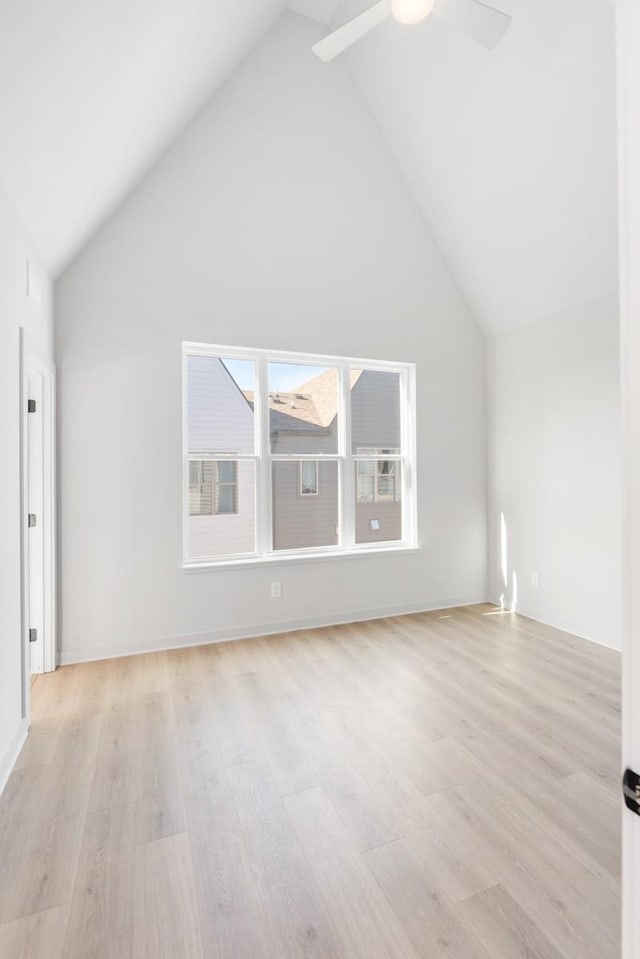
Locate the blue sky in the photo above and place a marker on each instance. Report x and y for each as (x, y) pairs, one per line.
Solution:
(284, 377)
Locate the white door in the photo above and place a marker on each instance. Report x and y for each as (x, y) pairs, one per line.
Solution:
(628, 47)
(35, 522)
(39, 463)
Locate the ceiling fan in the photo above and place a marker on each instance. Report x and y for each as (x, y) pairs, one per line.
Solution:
(474, 17)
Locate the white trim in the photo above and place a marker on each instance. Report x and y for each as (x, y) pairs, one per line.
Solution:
(12, 752)
(344, 456)
(222, 635)
(285, 356)
(25, 671)
(628, 94)
(346, 482)
(185, 457)
(51, 514)
(264, 473)
(409, 467)
(495, 601)
(300, 556)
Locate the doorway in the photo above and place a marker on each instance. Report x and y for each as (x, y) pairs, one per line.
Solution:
(39, 566)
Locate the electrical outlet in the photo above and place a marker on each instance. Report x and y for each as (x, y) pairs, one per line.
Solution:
(276, 590)
(535, 578)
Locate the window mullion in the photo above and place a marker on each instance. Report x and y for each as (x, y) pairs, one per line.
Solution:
(264, 517)
(347, 499)
(407, 439)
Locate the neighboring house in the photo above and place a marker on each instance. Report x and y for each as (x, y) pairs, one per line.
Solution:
(222, 493)
(305, 492)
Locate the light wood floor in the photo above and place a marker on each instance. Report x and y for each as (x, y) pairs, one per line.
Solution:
(436, 785)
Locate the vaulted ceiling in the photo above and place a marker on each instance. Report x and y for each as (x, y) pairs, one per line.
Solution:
(93, 91)
(510, 154)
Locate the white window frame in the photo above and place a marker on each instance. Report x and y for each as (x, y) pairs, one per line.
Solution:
(263, 458)
(316, 490)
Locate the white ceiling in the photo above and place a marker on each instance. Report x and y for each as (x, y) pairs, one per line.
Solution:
(93, 91)
(324, 11)
(509, 153)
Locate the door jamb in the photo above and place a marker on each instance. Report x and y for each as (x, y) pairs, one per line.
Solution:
(628, 105)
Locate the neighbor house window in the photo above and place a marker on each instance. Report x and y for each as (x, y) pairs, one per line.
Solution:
(308, 477)
(288, 454)
(213, 488)
(377, 479)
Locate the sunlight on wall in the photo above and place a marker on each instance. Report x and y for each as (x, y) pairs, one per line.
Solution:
(503, 555)
(504, 566)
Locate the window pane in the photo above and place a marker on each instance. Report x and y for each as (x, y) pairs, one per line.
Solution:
(227, 471)
(301, 522)
(365, 481)
(375, 410)
(222, 508)
(303, 405)
(226, 498)
(378, 501)
(309, 477)
(220, 405)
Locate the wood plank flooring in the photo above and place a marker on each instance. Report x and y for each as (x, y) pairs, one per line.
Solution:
(435, 786)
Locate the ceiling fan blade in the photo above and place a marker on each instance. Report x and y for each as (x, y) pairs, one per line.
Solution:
(475, 18)
(344, 36)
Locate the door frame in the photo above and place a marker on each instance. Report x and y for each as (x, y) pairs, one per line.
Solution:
(35, 362)
(628, 98)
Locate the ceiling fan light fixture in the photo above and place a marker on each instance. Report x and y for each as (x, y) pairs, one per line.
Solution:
(411, 11)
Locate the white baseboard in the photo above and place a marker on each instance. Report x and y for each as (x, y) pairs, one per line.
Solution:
(67, 657)
(563, 629)
(12, 752)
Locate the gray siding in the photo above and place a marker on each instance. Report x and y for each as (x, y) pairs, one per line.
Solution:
(306, 442)
(389, 515)
(304, 521)
(220, 419)
(375, 410)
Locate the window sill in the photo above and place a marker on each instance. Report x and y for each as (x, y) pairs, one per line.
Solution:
(292, 559)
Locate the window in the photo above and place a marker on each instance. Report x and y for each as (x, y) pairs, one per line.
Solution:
(209, 496)
(377, 480)
(308, 478)
(226, 490)
(289, 455)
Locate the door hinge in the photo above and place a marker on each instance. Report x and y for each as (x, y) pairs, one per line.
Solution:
(631, 790)
(31, 521)
(31, 406)
(33, 635)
